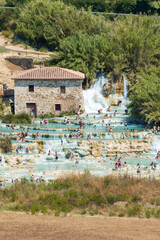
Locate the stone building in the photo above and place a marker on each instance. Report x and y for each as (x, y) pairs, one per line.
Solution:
(48, 90)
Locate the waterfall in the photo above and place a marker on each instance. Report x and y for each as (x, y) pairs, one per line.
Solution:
(124, 87)
(93, 97)
(155, 145)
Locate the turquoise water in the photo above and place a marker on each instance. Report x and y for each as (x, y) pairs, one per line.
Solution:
(40, 164)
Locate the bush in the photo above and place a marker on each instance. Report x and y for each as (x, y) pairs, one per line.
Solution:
(49, 115)
(98, 199)
(57, 214)
(83, 212)
(67, 113)
(136, 198)
(147, 214)
(157, 213)
(22, 118)
(122, 214)
(58, 185)
(111, 199)
(135, 210)
(6, 145)
(14, 197)
(44, 209)
(158, 202)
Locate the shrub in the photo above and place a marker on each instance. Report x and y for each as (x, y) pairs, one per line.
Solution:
(22, 118)
(72, 193)
(34, 207)
(93, 212)
(25, 207)
(98, 199)
(147, 214)
(158, 202)
(57, 214)
(122, 214)
(44, 209)
(136, 198)
(112, 214)
(135, 210)
(157, 213)
(14, 197)
(83, 202)
(17, 207)
(67, 113)
(58, 185)
(6, 145)
(49, 115)
(111, 199)
(83, 212)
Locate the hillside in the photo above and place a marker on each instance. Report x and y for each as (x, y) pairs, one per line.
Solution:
(7, 49)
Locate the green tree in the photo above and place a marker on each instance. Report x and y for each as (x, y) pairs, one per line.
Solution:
(137, 40)
(84, 53)
(145, 95)
(47, 23)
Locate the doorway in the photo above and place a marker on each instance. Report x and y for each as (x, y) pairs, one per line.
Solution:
(31, 109)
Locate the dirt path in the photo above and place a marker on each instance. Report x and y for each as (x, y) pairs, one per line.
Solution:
(6, 68)
(14, 49)
(17, 226)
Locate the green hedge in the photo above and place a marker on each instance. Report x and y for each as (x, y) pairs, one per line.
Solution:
(19, 118)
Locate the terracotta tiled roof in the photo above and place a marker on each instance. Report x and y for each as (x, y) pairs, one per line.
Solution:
(48, 73)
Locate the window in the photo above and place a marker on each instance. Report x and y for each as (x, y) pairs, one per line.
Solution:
(58, 107)
(63, 89)
(31, 88)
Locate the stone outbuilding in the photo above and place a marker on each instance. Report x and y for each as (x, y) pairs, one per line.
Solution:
(48, 90)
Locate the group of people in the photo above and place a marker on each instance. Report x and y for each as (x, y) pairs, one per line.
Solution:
(118, 163)
(56, 155)
(38, 180)
(156, 129)
(71, 156)
(20, 148)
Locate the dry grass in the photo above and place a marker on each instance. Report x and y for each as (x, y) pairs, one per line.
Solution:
(82, 194)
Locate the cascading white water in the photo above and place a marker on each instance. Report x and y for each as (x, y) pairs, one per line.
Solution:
(156, 145)
(125, 87)
(93, 97)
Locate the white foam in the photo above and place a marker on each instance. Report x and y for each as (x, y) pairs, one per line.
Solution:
(93, 97)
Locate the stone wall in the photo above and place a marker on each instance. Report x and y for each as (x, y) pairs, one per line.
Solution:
(47, 93)
(25, 63)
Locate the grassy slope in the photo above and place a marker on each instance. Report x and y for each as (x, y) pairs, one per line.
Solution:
(86, 194)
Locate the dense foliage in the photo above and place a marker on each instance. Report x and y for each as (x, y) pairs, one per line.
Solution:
(47, 23)
(22, 118)
(91, 43)
(119, 6)
(145, 96)
(131, 44)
